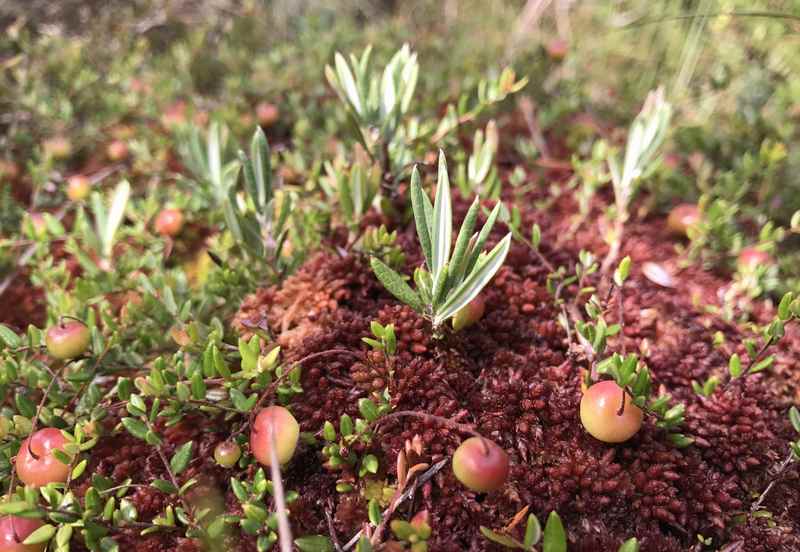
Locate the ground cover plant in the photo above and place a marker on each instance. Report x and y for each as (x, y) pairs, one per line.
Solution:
(399, 276)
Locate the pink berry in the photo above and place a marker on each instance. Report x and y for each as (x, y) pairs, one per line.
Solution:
(35, 463)
(752, 257)
(557, 49)
(267, 114)
(469, 313)
(682, 217)
(169, 222)
(117, 150)
(480, 465)
(67, 339)
(13, 532)
(600, 406)
(280, 422)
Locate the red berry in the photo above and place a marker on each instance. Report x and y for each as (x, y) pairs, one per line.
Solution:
(227, 454)
(117, 150)
(480, 465)
(277, 420)
(35, 464)
(682, 217)
(78, 187)
(169, 222)
(600, 413)
(267, 114)
(752, 257)
(469, 313)
(67, 339)
(13, 532)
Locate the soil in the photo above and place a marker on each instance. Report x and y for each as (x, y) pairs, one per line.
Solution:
(510, 376)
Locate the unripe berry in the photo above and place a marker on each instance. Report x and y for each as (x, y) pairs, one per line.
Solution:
(37, 223)
(280, 422)
(752, 257)
(480, 465)
(267, 114)
(117, 150)
(469, 313)
(57, 147)
(169, 222)
(682, 217)
(600, 406)
(227, 453)
(78, 187)
(13, 532)
(67, 339)
(35, 464)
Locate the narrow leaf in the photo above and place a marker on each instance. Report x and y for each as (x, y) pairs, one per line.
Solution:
(421, 218)
(475, 281)
(395, 284)
(442, 221)
(464, 235)
(262, 170)
(348, 83)
(115, 213)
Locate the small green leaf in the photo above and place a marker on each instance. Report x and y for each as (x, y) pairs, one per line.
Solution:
(328, 432)
(784, 310)
(499, 538)
(364, 545)
(630, 545)
(16, 507)
(370, 463)
(794, 417)
(137, 428)
(368, 409)
(314, 543)
(622, 271)
(555, 538)
(238, 489)
(9, 337)
(680, 440)
(374, 511)
(180, 460)
(735, 365)
(42, 534)
(763, 364)
(346, 425)
(533, 532)
(536, 236)
(164, 486)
